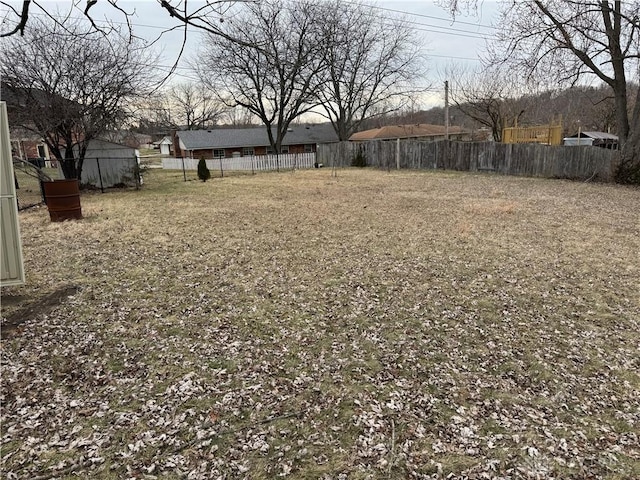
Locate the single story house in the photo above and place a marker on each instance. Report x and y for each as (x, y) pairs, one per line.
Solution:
(243, 142)
(165, 145)
(595, 139)
(107, 164)
(420, 131)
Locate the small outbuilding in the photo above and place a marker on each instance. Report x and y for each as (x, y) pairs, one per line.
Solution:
(593, 139)
(165, 145)
(108, 164)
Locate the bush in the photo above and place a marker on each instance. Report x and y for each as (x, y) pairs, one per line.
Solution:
(203, 171)
(359, 159)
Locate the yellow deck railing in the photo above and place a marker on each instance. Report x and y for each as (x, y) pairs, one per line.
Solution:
(545, 134)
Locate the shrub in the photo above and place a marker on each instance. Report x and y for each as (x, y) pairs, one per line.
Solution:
(203, 171)
(359, 159)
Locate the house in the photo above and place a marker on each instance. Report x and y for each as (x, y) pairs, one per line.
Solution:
(243, 142)
(128, 138)
(29, 146)
(595, 139)
(107, 164)
(420, 131)
(165, 144)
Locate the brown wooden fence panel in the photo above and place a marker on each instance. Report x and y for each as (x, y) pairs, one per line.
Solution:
(531, 160)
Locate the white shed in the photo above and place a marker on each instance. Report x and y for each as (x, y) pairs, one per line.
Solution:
(108, 164)
(165, 145)
(12, 266)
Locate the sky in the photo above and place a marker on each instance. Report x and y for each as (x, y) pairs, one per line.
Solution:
(446, 41)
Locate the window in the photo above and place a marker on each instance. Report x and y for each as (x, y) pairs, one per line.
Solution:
(248, 152)
(308, 148)
(284, 149)
(41, 152)
(270, 151)
(218, 153)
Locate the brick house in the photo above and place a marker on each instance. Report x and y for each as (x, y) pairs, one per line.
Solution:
(244, 142)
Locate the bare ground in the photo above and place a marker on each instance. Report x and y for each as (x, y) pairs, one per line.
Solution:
(373, 325)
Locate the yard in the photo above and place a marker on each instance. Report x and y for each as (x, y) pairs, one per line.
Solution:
(374, 325)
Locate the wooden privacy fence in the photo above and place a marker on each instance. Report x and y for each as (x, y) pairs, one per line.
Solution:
(252, 163)
(508, 159)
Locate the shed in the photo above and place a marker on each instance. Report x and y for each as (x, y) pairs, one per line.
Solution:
(108, 164)
(165, 145)
(595, 139)
(12, 266)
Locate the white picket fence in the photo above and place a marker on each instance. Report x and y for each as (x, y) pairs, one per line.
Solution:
(253, 164)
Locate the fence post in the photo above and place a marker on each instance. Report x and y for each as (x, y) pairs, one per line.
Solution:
(100, 175)
(136, 170)
(44, 197)
(252, 170)
(221, 171)
(184, 172)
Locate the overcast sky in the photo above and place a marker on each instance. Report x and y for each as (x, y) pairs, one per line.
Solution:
(446, 41)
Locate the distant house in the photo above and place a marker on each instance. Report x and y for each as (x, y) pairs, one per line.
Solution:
(243, 142)
(165, 145)
(108, 164)
(29, 146)
(595, 139)
(420, 131)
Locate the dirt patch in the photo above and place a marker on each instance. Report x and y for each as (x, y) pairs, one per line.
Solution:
(35, 308)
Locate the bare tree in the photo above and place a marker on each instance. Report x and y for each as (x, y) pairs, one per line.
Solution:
(272, 70)
(69, 86)
(371, 63)
(205, 15)
(239, 117)
(566, 41)
(491, 97)
(193, 106)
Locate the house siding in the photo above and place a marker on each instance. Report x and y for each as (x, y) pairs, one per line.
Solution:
(228, 152)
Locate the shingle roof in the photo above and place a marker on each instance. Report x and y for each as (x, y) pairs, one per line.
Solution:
(598, 135)
(404, 131)
(255, 137)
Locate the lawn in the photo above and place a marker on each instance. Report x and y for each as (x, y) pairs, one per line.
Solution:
(371, 325)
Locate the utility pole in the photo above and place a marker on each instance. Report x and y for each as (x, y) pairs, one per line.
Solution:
(446, 110)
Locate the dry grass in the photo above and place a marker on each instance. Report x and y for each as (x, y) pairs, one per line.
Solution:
(374, 325)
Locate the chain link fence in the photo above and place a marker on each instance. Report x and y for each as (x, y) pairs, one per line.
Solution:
(28, 180)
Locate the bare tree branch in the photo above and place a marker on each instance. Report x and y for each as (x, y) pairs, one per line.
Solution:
(23, 18)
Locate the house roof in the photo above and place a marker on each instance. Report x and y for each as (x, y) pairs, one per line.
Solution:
(596, 135)
(98, 143)
(404, 131)
(164, 141)
(255, 137)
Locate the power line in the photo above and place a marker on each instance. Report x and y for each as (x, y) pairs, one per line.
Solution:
(425, 16)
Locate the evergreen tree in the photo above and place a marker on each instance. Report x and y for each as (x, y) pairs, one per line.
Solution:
(203, 171)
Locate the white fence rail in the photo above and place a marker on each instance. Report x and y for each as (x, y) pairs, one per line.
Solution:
(254, 163)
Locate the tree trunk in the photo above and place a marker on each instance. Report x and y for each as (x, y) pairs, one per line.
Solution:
(629, 168)
(68, 164)
(622, 118)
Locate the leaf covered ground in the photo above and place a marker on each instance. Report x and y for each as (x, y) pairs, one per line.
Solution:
(374, 325)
